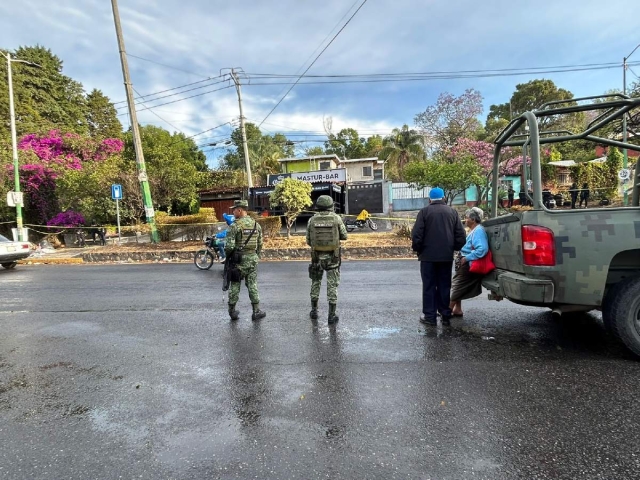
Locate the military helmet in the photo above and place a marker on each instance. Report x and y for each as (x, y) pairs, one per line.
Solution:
(324, 202)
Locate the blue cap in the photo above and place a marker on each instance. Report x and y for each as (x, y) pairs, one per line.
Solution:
(436, 194)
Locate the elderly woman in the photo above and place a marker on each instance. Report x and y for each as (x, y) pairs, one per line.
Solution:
(466, 284)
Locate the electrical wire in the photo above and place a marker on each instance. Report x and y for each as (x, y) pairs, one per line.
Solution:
(609, 64)
(165, 121)
(180, 99)
(314, 61)
(167, 66)
(410, 78)
(169, 90)
(178, 93)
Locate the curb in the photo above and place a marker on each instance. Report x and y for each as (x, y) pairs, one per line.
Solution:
(273, 255)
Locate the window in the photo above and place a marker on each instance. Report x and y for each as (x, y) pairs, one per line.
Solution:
(325, 165)
(377, 174)
(367, 171)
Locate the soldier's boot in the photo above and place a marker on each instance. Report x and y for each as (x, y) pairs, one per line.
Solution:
(333, 316)
(233, 313)
(257, 313)
(313, 314)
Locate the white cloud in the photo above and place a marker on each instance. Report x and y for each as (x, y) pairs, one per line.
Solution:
(277, 37)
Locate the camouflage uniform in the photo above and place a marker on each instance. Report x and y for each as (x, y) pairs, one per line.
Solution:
(323, 261)
(237, 235)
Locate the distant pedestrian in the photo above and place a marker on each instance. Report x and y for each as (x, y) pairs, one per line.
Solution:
(522, 196)
(573, 192)
(510, 194)
(324, 232)
(437, 233)
(584, 195)
(97, 230)
(243, 248)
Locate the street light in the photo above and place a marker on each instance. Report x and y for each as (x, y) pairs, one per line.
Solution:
(14, 142)
(624, 118)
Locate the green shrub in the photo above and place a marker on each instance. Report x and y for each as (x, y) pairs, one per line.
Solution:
(192, 227)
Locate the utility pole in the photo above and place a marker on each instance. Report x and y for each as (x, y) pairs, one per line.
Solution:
(247, 163)
(137, 144)
(14, 146)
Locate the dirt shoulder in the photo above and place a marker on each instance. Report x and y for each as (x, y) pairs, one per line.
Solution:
(362, 240)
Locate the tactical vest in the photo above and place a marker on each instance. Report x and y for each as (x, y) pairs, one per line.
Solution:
(245, 229)
(324, 233)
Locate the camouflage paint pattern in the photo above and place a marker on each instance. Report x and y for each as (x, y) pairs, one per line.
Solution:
(594, 248)
(237, 235)
(329, 261)
(249, 269)
(333, 280)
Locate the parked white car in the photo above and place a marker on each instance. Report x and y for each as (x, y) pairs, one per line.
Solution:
(11, 252)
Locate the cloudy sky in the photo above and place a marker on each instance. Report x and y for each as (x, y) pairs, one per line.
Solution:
(198, 38)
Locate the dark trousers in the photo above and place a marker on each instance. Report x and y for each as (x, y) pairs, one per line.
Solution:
(436, 288)
(510, 201)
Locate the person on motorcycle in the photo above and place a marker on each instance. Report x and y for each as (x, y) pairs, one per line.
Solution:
(220, 238)
(324, 232)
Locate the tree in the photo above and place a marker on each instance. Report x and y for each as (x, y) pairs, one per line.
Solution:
(374, 146)
(450, 119)
(346, 144)
(531, 96)
(293, 196)
(172, 176)
(314, 151)
(401, 147)
(482, 154)
(453, 177)
(264, 152)
(102, 116)
(63, 171)
(45, 98)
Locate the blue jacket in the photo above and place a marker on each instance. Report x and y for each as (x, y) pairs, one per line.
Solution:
(229, 219)
(477, 244)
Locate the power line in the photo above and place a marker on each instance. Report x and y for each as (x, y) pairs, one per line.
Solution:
(180, 93)
(323, 41)
(169, 89)
(609, 64)
(168, 66)
(314, 61)
(424, 77)
(181, 99)
(165, 121)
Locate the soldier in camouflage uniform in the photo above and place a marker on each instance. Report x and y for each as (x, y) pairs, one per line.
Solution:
(324, 232)
(244, 237)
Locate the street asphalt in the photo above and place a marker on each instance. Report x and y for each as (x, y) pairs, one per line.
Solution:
(135, 371)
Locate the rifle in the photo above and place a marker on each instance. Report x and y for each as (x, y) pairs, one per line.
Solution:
(225, 276)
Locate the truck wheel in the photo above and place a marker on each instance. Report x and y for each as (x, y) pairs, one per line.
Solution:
(10, 265)
(621, 313)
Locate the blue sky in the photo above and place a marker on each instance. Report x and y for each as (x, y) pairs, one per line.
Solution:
(263, 36)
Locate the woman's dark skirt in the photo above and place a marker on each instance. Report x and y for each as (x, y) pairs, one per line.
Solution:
(465, 284)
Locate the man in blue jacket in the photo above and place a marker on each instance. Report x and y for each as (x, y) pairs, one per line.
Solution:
(437, 233)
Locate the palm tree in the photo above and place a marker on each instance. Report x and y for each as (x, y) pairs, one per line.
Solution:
(401, 147)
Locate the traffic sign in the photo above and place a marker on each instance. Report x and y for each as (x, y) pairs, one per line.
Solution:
(624, 174)
(116, 192)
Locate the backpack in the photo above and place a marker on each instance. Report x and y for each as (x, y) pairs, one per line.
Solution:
(324, 233)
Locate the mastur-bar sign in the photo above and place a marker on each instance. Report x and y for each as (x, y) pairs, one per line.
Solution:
(336, 176)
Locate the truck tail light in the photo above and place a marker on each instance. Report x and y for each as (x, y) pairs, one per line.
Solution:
(538, 246)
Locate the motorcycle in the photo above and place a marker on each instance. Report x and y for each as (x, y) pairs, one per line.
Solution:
(204, 258)
(363, 220)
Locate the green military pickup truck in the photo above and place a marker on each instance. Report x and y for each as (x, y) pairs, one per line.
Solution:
(569, 260)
